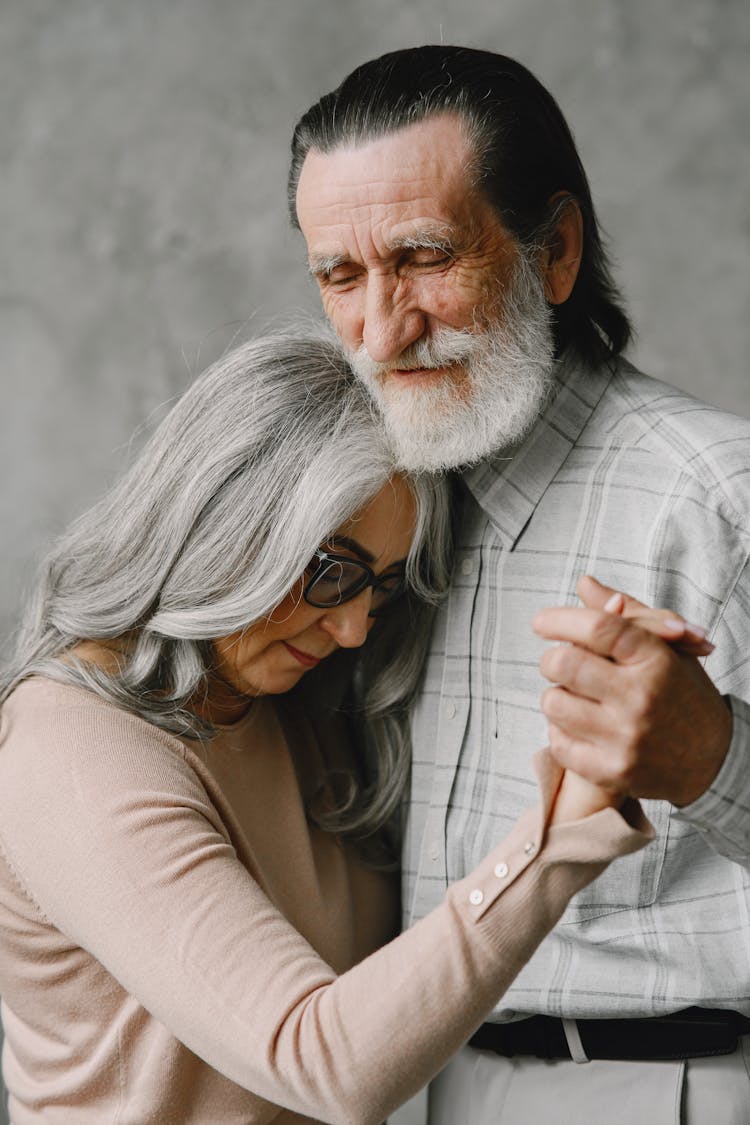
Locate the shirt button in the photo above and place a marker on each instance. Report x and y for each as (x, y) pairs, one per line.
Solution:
(434, 851)
(467, 566)
(529, 847)
(501, 870)
(476, 898)
(450, 708)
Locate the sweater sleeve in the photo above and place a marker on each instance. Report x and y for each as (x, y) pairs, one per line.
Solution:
(125, 854)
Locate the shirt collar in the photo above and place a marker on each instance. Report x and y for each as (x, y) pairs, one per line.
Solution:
(508, 486)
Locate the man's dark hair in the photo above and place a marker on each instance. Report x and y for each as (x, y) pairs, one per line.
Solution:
(525, 161)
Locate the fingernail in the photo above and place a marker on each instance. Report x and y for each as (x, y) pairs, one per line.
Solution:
(674, 625)
(696, 631)
(614, 604)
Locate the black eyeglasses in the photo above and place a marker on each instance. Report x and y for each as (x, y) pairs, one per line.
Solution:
(334, 579)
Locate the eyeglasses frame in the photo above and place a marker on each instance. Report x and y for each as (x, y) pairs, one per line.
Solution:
(372, 580)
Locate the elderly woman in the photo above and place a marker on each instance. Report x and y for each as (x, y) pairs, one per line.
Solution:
(196, 923)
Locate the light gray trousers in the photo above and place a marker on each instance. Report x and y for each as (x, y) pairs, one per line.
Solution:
(481, 1088)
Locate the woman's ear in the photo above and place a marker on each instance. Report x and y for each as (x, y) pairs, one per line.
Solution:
(561, 259)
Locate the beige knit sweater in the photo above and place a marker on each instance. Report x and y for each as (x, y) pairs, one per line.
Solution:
(178, 945)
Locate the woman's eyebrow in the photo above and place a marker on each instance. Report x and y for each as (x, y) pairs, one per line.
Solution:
(357, 549)
(353, 546)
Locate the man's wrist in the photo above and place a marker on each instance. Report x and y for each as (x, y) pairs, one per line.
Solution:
(698, 780)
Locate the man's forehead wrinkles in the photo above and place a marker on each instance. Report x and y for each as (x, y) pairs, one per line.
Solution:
(412, 218)
(336, 200)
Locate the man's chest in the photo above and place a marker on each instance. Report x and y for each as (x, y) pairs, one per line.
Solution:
(614, 514)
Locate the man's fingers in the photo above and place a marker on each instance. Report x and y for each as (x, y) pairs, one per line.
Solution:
(583, 758)
(577, 670)
(579, 719)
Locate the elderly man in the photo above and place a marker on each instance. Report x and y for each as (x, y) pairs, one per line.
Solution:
(451, 231)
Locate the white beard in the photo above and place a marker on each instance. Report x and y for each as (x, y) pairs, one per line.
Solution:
(464, 416)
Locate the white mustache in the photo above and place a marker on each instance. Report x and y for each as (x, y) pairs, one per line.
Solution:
(445, 347)
(506, 358)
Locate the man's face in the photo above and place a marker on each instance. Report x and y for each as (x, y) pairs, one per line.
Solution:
(427, 291)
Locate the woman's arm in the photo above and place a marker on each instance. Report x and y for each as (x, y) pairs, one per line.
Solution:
(115, 839)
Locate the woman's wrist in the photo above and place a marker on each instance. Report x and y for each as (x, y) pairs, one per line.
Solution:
(577, 798)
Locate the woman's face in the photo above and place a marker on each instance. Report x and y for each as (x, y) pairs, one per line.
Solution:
(272, 656)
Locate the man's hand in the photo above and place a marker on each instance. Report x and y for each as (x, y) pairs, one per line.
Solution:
(633, 710)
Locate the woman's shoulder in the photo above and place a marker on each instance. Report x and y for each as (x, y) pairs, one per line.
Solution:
(48, 702)
(69, 756)
(41, 695)
(45, 721)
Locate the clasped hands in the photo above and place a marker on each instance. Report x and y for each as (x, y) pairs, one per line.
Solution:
(632, 711)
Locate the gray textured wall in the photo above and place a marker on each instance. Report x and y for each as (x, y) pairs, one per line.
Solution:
(142, 215)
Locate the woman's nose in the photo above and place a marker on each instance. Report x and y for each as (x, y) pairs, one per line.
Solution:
(349, 623)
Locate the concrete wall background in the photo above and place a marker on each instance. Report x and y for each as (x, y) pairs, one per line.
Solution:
(143, 223)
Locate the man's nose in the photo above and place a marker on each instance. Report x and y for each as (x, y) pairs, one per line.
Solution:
(391, 321)
(349, 624)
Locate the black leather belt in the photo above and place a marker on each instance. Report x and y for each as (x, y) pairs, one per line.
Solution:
(692, 1033)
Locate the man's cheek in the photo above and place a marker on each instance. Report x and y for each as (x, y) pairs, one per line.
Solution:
(455, 295)
(342, 314)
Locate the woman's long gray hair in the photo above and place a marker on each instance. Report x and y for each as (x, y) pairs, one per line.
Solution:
(267, 453)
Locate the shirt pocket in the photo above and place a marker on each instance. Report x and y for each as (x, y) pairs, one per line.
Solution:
(630, 882)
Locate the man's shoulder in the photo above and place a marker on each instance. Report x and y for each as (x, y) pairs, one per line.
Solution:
(679, 432)
(655, 399)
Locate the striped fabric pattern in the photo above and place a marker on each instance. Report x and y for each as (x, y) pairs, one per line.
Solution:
(637, 483)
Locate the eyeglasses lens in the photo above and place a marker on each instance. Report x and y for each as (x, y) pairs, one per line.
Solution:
(336, 581)
(387, 590)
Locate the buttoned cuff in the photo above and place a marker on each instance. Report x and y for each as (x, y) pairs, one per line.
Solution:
(584, 846)
(722, 813)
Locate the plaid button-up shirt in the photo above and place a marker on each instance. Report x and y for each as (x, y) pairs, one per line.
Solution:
(649, 490)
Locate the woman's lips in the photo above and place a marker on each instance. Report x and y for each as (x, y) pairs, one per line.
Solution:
(304, 658)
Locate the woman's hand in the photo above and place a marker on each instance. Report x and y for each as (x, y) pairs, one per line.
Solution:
(682, 636)
(577, 797)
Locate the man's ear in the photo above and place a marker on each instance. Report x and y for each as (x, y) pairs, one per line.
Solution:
(561, 259)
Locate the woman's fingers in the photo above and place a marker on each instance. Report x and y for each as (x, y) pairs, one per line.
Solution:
(604, 634)
(688, 639)
(670, 627)
(595, 595)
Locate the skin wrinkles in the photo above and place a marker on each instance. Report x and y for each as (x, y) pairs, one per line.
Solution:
(366, 210)
(434, 244)
(453, 342)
